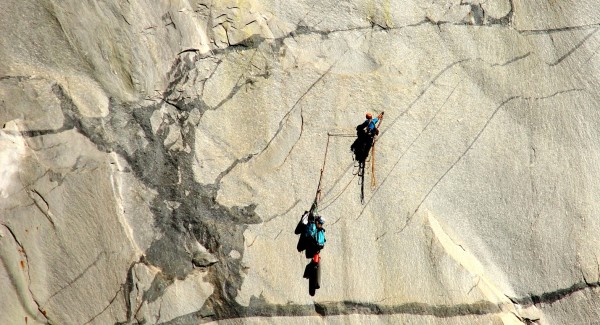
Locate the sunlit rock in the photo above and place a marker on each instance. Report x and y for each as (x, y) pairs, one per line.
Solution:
(155, 158)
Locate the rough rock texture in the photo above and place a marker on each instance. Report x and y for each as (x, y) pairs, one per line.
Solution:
(155, 157)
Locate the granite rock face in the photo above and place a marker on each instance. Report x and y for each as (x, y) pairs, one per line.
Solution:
(155, 157)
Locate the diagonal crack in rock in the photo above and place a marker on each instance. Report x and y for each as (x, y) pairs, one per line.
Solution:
(535, 299)
(25, 268)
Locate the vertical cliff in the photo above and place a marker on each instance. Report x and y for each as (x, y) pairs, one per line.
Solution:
(155, 157)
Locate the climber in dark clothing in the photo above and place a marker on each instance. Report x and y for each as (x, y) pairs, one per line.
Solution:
(316, 236)
(312, 238)
(312, 234)
(365, 135)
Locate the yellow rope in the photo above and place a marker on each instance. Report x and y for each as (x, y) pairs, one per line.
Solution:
(373, 180)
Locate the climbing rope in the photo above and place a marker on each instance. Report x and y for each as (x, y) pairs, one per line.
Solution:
(360, 173)
(337, 196)
(319, 192)
(343, 135)
(373, 180)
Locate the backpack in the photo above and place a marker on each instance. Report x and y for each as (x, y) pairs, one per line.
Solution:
(320, 238)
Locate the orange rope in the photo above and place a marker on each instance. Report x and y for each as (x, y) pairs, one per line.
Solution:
(318, 194)
(373, 180)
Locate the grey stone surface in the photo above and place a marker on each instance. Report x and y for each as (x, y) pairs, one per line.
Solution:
(156, 156)
(367, 319)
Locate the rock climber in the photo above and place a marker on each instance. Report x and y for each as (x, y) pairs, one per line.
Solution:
(365, 134)
(319, 235)
(372, 123)
(315, 233)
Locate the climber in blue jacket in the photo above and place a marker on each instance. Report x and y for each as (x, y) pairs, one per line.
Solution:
(316, 231)
(372, 122)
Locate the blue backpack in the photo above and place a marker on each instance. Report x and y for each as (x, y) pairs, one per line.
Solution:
(320, 237)
(317, 235)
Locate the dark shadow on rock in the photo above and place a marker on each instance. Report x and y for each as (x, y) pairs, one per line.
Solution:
(302, 243)
(363, 143)
(360, 147)
(300, 228)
